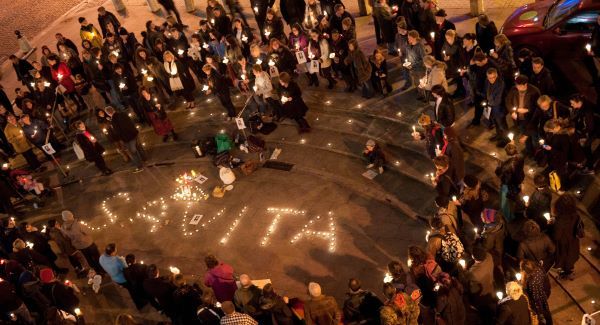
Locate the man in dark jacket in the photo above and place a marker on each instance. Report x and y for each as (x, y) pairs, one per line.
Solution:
(583, 121)
(246, 298)
(546, 110)
(218, 85)
(335, 22)
(494, 94)
(442, 26)
(444, 107)
(22, 68)
(521, 101)
(361, 306)
(160, 290)
(478, 69)
(542, 77)
(60, 39)
(410, 11)
(127, 132)
(61, 296)
(104, 18)
(136, 274)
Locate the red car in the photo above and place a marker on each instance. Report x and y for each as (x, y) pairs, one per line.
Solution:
(553, 28)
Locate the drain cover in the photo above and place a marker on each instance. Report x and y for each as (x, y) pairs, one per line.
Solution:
(278, 165)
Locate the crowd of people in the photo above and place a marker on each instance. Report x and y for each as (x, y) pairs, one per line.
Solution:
(485, 260)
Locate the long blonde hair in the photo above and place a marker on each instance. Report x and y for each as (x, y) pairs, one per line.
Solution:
(514, 290)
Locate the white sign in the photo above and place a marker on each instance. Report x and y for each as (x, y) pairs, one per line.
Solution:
(313, 67)
(300, 57)
(48, 149)
(200, 179)
(240, 123)
(196, 219)
(273, 71)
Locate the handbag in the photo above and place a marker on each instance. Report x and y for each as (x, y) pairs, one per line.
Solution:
(78, 151)
(175, 83)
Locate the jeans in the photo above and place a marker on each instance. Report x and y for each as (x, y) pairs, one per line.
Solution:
(261, 103)
(500, 120)
(115, 96)
(135, 151)
(367, 89)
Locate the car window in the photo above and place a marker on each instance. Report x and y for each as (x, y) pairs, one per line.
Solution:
(560, 10)
(581, 22)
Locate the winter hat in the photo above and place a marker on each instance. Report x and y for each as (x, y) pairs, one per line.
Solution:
(67, 216)
(470, 181)
(370, 143)
(314, 289)
(488, 215)
(46, 275)
(441, 13)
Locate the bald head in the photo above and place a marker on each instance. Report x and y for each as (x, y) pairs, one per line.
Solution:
(228, 307)
(245, 280)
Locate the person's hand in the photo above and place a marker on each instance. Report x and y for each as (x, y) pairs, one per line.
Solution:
(522, 110)
(208, 92)
(522, 139)
(547, 147)
(382, 75)
(494, 55)
(582, 141)
(446, 58)
(416, 136)
(514, 116)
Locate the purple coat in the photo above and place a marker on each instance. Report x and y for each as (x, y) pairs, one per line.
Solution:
(221, 280)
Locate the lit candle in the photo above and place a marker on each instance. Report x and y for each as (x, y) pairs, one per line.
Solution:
(511, 136)
(518, 276)
(414, 129)
(180, 51)
(500, 295)
(332, 55)
(462, 263)
(387, 278)
(243, 76)
(256, 9)
(244, 38)
(271, 63)
(205, 88)
(492, 51)
(541, 142)
(174, 270)
(121, 85)
(144, 71)
(588, 47)
(454, 198)
(150, 78)
(432, 34)
(427, 235)
(444, 52)
(77, 311)
(409, 262)
(205, 45)
(46, 84)
(476, 231)
(59, 76)
(225, 60)
(526, 199)
(547, 216)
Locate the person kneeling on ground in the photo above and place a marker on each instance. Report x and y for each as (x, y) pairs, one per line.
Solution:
(374, 155)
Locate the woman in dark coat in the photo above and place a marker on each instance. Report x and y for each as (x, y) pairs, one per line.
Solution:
(504, 58)
(566, 233)
(273, 304)
(153, 73)
(536, 246)
(157, 115)
(361, 68)
(292, 11)
(92, 149)
(380, 73)
(180, 80)
(281, 57)
(486, 30)
(293, 104)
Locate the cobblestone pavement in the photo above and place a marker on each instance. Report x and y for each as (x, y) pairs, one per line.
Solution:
(32, 17)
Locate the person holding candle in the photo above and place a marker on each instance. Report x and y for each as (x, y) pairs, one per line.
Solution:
(514, 309)
(36, 131)
(21, 145)
(219, 276)
(432, 134)
(385, 18)
(319, 49)
(91, 148)
(520, 102)
(539, 201)
(180, 81)
(559, 149)
(293, 104)
(242, 74)
(374, 156)
(126, 131)
(442, 26)
(218, 85)
(273, 26)
(380, 73)
(157, 115)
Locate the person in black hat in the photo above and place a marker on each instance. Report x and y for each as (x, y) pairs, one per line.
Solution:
(442, 25)
(104, 18)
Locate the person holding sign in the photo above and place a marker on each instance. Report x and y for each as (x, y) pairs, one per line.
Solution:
(17, 138)
(293, 104)
(218, 84)
(37, 132)
(281, 57)
(320, 51)
(91, 148)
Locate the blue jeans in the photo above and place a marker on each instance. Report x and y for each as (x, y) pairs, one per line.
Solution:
(504, 203)
(261, 103)
(367, 89)
(137, 153)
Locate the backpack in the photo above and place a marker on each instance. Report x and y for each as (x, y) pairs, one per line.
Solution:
(554, 181)
(452, 248)
(223, 142)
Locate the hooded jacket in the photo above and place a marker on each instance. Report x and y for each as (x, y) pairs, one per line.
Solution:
(78, 233)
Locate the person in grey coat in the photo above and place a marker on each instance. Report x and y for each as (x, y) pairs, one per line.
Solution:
(79, 234)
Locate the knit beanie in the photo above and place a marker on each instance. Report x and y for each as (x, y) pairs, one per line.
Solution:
(46, 275)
